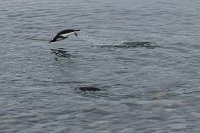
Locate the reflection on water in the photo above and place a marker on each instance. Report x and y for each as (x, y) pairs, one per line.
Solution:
(61, 52)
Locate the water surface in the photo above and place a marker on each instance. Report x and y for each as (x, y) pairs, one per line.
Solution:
(142, 55)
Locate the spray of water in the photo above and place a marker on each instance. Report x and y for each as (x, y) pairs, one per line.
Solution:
(94, 41)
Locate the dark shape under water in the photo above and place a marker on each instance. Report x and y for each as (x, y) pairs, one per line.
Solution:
(89, 89)
(60, 52)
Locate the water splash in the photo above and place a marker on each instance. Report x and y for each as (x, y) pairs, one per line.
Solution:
(94, 41)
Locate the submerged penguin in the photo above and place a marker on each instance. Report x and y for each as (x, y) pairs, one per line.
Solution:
(89, 89)
(64, 34)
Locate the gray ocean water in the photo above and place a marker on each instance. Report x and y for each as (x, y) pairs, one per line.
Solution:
(143, 56)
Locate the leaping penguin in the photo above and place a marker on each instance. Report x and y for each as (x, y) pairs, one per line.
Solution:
(64, 34)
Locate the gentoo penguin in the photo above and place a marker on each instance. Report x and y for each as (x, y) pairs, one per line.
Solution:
(64, 34)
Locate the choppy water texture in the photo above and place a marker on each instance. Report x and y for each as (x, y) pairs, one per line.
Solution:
(142, 56)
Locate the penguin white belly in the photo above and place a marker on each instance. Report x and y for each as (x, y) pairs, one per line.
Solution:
(67, 34)
(59, 39)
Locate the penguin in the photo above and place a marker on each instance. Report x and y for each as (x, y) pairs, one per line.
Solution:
(64, 34)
